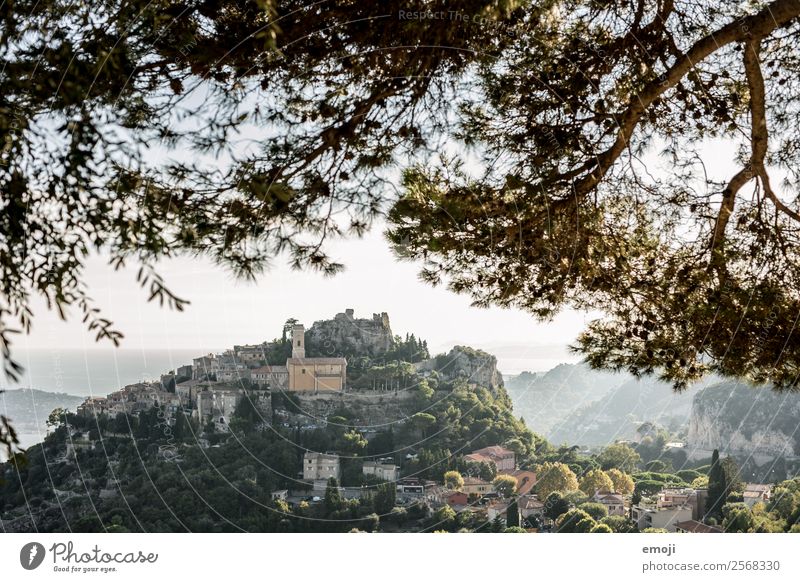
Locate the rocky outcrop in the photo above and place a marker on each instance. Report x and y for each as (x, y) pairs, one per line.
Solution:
(744, 421)
(369, 412)
(345, 336)
(475, 366)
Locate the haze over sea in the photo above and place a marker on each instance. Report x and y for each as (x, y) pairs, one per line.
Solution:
(93, 372)
(96, 372)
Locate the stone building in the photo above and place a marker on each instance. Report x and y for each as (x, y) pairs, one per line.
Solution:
(272, 377)
(385, 471)
(313, 374)
(320, 467)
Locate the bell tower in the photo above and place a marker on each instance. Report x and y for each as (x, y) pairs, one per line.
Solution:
(298, 341)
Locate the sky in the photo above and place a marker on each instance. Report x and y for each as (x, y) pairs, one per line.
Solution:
(225, 311)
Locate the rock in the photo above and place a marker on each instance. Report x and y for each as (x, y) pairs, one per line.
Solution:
(346, 336)
(475, 366)
(742, 420)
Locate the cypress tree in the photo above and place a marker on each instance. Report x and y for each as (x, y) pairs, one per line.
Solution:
(717, 486)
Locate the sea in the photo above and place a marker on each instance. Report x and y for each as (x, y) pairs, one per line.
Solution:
(94, 372)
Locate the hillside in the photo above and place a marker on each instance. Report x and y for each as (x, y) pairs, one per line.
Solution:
(744, 421)
(545, 400)
(618, 413)
(28, 409)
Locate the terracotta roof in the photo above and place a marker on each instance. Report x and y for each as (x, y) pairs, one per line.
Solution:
(693, 526)
(494, 451)
(525, 479)
(529, 502)
(757, 488)
(475, 481)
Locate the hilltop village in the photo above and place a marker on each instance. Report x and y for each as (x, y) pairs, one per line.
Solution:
(346, 427)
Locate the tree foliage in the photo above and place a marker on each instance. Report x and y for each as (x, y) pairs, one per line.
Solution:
(623, 483)
(567, 212)
(554, 477)
(594, 481)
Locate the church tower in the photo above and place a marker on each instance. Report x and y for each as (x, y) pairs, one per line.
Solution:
(298, 341)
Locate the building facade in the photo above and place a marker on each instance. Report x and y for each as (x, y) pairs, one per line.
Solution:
(320, 467)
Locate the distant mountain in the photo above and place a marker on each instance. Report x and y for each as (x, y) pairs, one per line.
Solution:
(28, 409)
(545, 400)
(618, 413)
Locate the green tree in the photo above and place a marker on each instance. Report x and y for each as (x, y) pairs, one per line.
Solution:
(385, 496)
(56, 418)
(596, 480)
(668, 265)
(619, 456)
(597, 511)
(554, 477)
(619, 524)
(505, 485)
(623, 483)
(333, 500)
(453, 480)
(717, 486)
(575, 521)
(601, 528)
(555, 505)
(512, 514)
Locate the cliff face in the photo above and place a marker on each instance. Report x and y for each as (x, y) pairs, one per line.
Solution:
(344, 335)
(741, 420)
(473, 365)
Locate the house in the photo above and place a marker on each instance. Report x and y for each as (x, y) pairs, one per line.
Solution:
(457, 499)
(614, 502)
(498, 508)
(313, 374)
(204, 367)
(183, 372)
(692, 498)
(530, 506)
(651, 515)
(251, 354)
(476, 486)
(694, 526)
(280, 494)
(502, 458)
(218, 405)
(385, 471)
(525, 480)
(320, 467)
(415, 486)
(756, 493)
(272, 377)
(93, 406)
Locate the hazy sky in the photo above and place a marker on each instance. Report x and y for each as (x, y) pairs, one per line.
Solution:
(225, 311)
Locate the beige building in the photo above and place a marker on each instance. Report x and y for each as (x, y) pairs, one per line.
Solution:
(320, 467)
(664, 517)
(476, 486)
(500, 457)
(313, 374)
(385, 471)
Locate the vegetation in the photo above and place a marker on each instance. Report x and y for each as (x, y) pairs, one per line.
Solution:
(554, 477)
